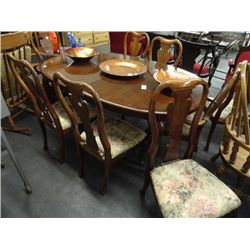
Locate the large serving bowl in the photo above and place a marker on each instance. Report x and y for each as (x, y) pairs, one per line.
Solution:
(82, 54)
(123, 68)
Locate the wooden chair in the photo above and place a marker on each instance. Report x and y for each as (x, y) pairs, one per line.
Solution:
(225, 110)
(21, 46)
(108, 139)
(51, 115)
(183, 188)
(208, 63)
(138, 43)
(213, 111)
(235, 146)
(37, 37)
(164, 54)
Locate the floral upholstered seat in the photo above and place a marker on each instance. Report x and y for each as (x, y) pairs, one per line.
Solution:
(122, 136)
(63, 116)
(186, 189)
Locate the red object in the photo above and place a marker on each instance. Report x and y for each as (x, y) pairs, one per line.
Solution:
(53, 37)
(117, 40)
(242, 57)
(196, 69)
(230, 62)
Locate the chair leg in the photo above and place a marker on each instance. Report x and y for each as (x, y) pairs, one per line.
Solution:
(105, 178)
(13, 128)
(62, 148)
(44, 132)
(215, 157)
(82, 166)
(210, 134)
(145, 185)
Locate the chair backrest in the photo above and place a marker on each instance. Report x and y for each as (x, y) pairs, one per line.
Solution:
(54, 37)
(191, 50)
(30, 83)
(22, 47)
(242, 55)
(222, 99)
(83, 97)
(164, 54)
(138, 43)
(177, 111)
(236, 140)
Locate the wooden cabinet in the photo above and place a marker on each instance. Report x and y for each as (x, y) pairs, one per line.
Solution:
(88, 38)
(100, 37)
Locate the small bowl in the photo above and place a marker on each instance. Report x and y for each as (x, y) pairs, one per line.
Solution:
(82, 54)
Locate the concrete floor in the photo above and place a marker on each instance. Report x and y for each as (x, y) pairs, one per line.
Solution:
(59, 192)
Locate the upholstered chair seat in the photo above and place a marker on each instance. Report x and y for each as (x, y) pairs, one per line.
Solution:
(64, 118)
(186, 189)
(121, 135)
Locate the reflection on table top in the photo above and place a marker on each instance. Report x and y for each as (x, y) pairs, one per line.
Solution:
(130, 95)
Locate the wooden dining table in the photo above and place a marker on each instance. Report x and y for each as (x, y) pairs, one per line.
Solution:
(126, 95)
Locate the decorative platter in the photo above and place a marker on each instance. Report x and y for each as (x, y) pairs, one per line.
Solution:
(163, 76)
(122, 67)
(81, 54)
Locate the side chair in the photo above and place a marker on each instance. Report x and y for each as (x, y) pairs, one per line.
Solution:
(21, 46)
(225, 110)
(48, 114)
(108, 139)
(206, 65)
(163, 54)
(183, 188)
(136, 44)
(213, 111)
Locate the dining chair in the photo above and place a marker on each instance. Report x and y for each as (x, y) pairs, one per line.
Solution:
(21, 46)
(183, 188)
(215, 110)
(225, 110)
(164, 55)
(235, 145)
(136, 44)
(48, 114)
(108, 139)
(54, 37)
(243, 54)
(205, 66)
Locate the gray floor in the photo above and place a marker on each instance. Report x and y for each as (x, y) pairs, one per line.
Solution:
(59, 192)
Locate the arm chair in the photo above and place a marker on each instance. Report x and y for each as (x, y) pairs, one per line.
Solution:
(137, 42)
(108, 139)
(183, 188)
(208, 63)
(164, 54)
(51, 115)
(20, 45)
(235, 146)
